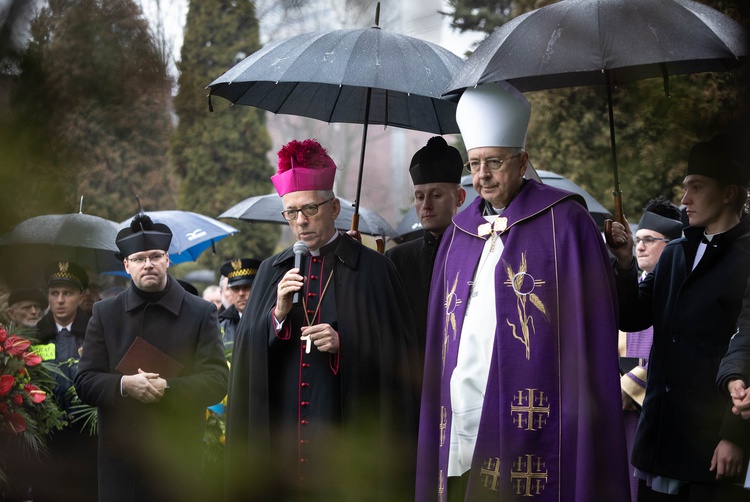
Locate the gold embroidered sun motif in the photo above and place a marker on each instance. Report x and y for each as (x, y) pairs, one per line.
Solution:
(523, 285)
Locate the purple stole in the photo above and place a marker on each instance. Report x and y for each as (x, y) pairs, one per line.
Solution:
(551, 425)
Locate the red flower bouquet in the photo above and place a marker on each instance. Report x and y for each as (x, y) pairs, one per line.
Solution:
(26, 415)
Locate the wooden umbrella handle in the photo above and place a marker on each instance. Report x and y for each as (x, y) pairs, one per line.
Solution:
(619, 217)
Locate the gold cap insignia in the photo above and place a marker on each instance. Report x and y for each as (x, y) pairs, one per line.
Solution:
(237, 264)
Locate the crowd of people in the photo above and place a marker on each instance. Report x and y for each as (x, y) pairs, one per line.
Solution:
(507, 353)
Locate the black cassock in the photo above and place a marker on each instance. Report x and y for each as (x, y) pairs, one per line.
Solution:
(319, 425)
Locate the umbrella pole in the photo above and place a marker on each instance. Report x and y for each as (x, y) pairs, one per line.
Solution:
(355, 216)
(617, 193)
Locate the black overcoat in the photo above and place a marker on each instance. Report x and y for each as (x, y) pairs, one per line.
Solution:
(414, 261)
(694, 314)
(736, 362)
(152, 451)
(373, 453)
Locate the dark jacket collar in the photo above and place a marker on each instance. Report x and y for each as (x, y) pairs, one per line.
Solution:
(172, 301)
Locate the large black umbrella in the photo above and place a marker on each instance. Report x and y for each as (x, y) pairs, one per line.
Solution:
(588, 42)
(410, 224)
(360, 76)
(268, 208)
(81, 238)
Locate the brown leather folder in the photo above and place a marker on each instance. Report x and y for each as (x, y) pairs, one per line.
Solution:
(145, 356)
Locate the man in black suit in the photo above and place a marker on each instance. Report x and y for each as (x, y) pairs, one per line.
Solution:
(151, 419)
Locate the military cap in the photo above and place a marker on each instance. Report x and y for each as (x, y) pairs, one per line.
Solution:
(67, 272)
(240, 271)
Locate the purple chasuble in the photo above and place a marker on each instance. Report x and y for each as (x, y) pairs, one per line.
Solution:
(551, 426)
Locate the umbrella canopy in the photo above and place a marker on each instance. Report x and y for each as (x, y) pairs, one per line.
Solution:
(268, 208)
(361, 76)
(410, 222)
(81, 238)
(588, 42)
(192, 233)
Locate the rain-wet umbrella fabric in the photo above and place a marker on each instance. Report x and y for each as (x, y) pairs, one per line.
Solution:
(360, 76)
(33, 244)
(608, 42)
(192, 233)
(268, 208)
(410, 222)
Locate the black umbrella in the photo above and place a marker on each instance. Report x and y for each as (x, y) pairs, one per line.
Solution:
(81, 238)
(360, 76)
(268, 208)
(588, 42)
(410, 224)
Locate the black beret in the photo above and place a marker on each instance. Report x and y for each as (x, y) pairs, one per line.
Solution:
(240, 271)
(28, 295)
(67, 272)
(436, 162)
(143, 235)
(716, 159)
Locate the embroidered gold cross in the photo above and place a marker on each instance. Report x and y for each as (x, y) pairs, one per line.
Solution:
(443, 424)
(490, 473)
(529, 409)
(528, 475)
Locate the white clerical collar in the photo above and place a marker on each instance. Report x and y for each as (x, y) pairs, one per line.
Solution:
(316, 252)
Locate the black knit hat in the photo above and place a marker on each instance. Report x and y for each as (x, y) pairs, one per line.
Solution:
(436, 163)
(28, 295)
(143, 235)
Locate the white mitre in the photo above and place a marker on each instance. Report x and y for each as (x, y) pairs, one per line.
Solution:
(494, 114)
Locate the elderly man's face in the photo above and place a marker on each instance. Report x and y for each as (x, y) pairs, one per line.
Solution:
(150, 275)
(500, 186)
(25, 313)
(317, 229)
(436, 203)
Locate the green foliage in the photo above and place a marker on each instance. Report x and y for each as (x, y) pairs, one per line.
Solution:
(220, 157)
(89, 114)
(569, 131)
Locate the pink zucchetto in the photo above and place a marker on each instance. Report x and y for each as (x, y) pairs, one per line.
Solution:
(303, 165)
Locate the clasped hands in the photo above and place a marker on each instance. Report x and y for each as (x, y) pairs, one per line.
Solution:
(323, 336)
(145, 387)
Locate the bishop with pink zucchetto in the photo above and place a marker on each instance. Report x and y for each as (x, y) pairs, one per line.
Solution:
(322, 400)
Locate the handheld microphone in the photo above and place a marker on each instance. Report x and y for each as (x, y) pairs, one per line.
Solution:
(300, 250)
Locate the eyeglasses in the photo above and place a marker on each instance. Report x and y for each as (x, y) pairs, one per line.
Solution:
(154, 258)
(649, 241)
(308, 210)
(492, 164)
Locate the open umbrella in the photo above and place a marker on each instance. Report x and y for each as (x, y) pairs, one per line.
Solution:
(588, 42)
(34, 243)
(268, 208)
(410, 222)
(361, 76)
(192, 233)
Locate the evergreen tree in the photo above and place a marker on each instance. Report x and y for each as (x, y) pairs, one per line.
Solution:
(569, 130)
(220, 157)
(89, 113)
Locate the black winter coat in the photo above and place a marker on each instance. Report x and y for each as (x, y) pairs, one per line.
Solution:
(153, 451)
(693, 313)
